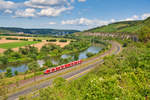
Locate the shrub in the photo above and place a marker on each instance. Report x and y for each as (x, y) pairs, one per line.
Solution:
(8, 72)
(16, 72)
(11, 38)
(89, 54)
(62, 40)
(52, 40)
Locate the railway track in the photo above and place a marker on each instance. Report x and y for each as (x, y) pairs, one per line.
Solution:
(116, 48)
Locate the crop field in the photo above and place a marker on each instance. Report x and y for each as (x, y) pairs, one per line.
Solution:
(17, 44)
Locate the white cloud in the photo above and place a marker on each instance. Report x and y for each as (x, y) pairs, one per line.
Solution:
(8, 11)
(135, 17)
(146, 15)
(53, 11)
(86, 22)
(52, 23)
(81, 0)
(46, 3)
(6, 4)
(29, 12)
(49, 7)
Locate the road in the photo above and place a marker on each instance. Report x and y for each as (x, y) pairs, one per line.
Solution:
(116, 48)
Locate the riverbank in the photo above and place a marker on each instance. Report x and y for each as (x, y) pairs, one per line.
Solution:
(57, 51)
(30, 75)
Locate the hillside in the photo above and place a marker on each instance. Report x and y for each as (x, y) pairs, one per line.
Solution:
(124, 26)
(122, 77)
(35, 31)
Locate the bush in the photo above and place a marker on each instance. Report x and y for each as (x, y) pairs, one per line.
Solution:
(89, 54)
(3, 60)
(37, 40)
(24, 39)
(16, 72)
(125, 45)
(52, 40)
(11, 38)
(62, 40)
(8, 72)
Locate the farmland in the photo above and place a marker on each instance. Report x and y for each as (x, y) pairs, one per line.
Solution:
(17, 44)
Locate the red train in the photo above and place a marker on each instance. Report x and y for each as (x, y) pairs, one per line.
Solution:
(54, 69)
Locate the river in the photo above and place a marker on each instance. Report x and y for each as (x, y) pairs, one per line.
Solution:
(55, 60)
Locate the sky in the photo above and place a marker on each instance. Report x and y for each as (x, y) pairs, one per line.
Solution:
(70, 14)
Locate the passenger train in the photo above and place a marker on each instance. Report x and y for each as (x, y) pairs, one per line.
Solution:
(54, 69)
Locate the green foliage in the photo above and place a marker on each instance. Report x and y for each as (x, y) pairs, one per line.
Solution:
(3, 60)
(16, 72)
(144, 33)
(79, 45)
(62, 40)
(33, 66)
(59, 82)
(17, 44)
(37, 40)
(123, 77)
(48, 63)
(8, 52)
(9, 38)
(76, 56)
(16, 55)
(52, 40)
(89, 54)
(24, 39)
(8, 72)
(65, 60)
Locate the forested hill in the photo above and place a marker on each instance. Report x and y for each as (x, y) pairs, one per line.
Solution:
(35, 31)
(124, 26)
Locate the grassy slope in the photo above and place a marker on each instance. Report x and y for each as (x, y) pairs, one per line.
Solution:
(122, 77)
(17, 44)
(126, 26)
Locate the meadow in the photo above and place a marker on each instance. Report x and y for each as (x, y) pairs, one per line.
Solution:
(17, 44)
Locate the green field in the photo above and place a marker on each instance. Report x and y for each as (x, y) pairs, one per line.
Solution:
(17, 44)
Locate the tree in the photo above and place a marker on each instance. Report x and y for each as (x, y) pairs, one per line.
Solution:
(44, 50)
(23, 51)
(16, 72)
(33, 67)
(49, 63)
(8, 72)
(76, 56)
(89, 54)
(8, 52)
(16, 55)
(144, 33)
(3, 60)
(55, 51)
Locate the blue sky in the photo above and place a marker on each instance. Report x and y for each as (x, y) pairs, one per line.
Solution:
(70, 14)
